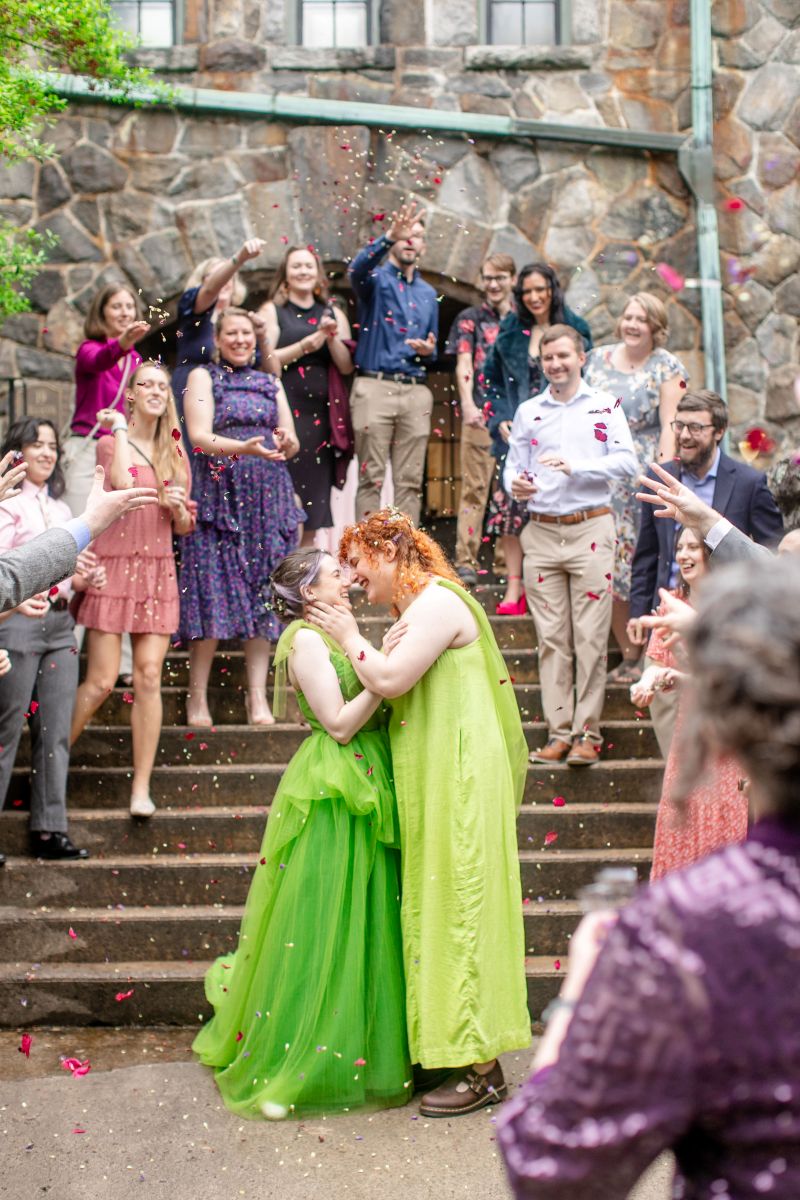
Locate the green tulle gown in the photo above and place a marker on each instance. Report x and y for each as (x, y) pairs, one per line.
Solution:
(309, 1013)
(460, 762)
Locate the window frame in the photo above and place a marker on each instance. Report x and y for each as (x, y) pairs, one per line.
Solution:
(563, 24)
(178, 13)
(373, 28)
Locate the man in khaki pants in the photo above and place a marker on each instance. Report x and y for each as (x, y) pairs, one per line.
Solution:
(567, 445)
(474, 331)
(390, 403)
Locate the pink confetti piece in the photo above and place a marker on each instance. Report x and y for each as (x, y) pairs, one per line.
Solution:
(78, 1130)
(360, 1062)
(239, 1036)
(71, 932)
(53, 590)
(550, 837)
(557, 964)
(120, 996)
(558, 801)
(34, 707)
(25, 1043)
(361, 656)
(671, 277)
(176, 433)
(127, 698)
(734, 204)
(134, 471)
(593, 595)
(77, 1067)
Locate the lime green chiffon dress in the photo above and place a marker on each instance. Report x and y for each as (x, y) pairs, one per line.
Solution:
(460, 761)
(309, 1012)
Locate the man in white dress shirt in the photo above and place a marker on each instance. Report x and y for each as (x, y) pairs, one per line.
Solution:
(567, 445)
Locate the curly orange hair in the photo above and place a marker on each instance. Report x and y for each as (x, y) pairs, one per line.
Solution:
(418, 556)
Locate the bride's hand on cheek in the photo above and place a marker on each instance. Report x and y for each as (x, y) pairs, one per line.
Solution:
(333, 619)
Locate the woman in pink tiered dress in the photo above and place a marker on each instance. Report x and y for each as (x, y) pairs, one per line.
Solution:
(715, 813)
(141, 597)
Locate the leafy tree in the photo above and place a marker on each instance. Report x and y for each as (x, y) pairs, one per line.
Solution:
(75, 36)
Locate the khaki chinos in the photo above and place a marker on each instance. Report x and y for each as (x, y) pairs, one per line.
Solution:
(567, 572)
(477, 472)
(391, 421)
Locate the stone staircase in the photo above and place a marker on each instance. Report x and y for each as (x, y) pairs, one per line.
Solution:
(157, 901)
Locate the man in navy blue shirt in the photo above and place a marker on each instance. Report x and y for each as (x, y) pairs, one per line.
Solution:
(390, 403)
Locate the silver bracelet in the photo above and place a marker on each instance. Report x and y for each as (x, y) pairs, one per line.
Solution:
(118, 425)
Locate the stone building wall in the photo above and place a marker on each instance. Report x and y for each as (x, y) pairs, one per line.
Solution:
(146, 194)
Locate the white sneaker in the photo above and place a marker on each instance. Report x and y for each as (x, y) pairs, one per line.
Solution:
(142, 806)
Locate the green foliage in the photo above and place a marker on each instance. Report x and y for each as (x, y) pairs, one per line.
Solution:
(75, 36)
(22, 253)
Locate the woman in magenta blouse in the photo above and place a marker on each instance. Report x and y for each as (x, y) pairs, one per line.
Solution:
(103, 365)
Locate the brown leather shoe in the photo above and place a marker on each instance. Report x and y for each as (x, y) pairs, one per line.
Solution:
(555, 751)
(583, 753)
(464, 1092)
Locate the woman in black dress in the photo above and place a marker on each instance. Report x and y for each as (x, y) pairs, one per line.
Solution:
(308, 334)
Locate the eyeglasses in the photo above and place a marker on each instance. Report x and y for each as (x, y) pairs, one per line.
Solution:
(488, 279)
(692, 426)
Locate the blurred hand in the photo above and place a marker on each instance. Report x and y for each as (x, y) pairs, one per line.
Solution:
(5, 663)
(35, 607)
(504, 429)
(523, 487)
(423, 346)
(394, 635)
(133, 333)
(403, 221)
(286, 442)
(636, 631)
(313, 341)
(556, 463)
(106, 417)
(680, 503)
(249, 249)
(472, 415)
(11, 476)
(674, 622)
(175, 497)
(104, 508)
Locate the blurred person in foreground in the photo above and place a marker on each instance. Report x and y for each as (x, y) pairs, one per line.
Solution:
(677, 1025)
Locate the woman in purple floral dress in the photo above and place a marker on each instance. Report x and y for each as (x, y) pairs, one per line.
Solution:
(247, 518)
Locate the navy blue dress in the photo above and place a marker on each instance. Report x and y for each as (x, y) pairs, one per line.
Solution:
(195, 343)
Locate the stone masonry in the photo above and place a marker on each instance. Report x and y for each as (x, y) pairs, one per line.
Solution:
(144, 194)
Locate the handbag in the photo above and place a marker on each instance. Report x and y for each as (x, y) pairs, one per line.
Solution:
(342, 439)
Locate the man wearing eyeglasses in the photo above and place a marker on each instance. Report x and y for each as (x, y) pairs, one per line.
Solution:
(735, 490)
(473, 332)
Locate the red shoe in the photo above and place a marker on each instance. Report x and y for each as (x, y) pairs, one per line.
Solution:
(513, 608)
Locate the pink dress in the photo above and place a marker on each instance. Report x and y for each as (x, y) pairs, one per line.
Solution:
(141, 595)
(715, 813)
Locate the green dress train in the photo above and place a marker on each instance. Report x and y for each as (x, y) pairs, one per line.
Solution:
(309, 1013)
(460, 761)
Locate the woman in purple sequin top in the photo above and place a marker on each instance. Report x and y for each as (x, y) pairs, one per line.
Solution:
(682, 1032)
(247, 516)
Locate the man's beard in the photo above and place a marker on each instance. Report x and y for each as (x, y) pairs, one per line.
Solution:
(702, 461)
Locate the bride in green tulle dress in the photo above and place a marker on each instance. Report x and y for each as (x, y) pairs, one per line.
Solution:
(309, 1013)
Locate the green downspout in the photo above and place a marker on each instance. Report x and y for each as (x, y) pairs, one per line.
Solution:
(694, 156)
(696, 162)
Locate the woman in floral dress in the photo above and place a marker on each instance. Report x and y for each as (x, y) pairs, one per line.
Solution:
(247, 518)
(648, 380)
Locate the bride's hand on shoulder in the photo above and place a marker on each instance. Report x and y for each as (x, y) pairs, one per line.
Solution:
(394, 635)
(334, 619)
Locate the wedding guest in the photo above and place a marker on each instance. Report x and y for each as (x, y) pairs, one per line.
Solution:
(471, 337)
(514, 373)
(310, 335)
(715, 813)
(141, 596)
(104, 364)
(39, 641)
(562, 460)
(639, 371)
(676, 1028)
(320, 949)
(213, 286)
(391, 404)
(462, 930)
(247, 519)
(738, 492)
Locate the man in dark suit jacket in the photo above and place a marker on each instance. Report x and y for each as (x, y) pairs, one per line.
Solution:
(736, 491)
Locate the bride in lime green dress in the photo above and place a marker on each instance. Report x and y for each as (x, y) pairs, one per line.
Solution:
(459, 760)
(309, 1012)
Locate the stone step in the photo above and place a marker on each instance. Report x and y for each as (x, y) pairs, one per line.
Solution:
(228, 668)
(123, 934)
(179, 879)
(111, 744)
(610, 780)
(227, 705)
(111, 832)
(162, 993)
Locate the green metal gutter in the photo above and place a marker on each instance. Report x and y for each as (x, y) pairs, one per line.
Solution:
(694, 155)
(696, 162)
(285, 106)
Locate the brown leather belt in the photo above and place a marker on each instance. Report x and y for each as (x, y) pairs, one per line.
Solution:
(575, 518)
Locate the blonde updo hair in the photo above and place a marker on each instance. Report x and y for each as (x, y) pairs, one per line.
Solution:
(656, 314)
